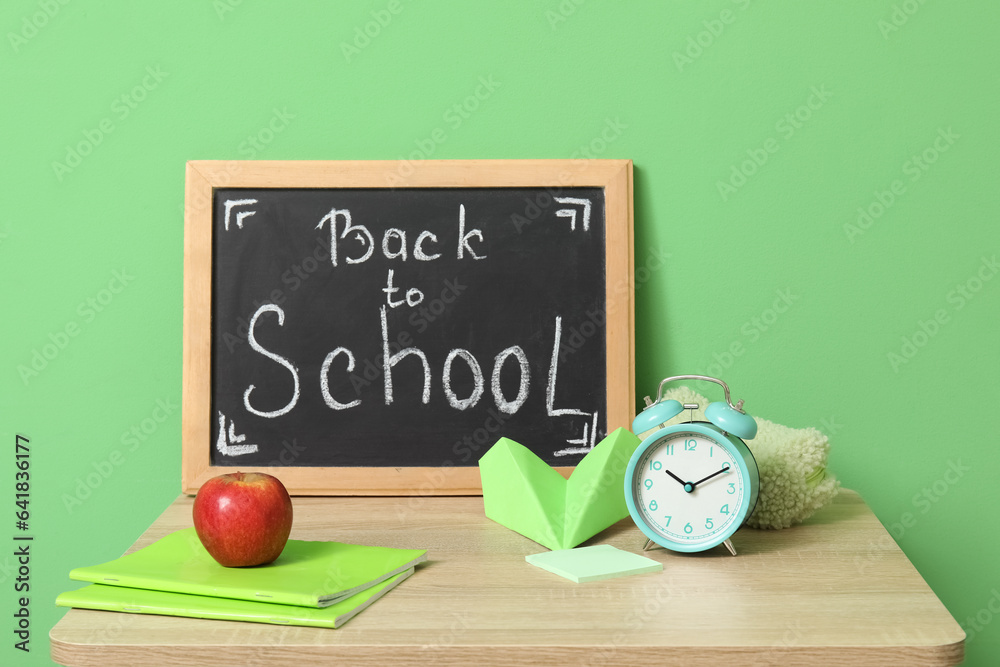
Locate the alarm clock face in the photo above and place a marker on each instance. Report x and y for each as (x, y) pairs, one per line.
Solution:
(690, 487)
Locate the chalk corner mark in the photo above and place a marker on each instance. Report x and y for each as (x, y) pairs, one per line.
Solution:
(229, 443)
(571, 212)
(586, 442)
(240, 215)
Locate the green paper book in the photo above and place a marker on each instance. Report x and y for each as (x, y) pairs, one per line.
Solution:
(523, 493)
(140, 601)
(306, 574)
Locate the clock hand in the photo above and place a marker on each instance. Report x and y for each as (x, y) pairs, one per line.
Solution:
(688, 486)
(717, 472)
(679, 480)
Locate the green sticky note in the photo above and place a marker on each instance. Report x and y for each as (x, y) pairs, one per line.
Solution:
(601, 561)
(523, 493)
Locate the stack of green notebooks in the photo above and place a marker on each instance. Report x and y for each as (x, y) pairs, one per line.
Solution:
(320, 584)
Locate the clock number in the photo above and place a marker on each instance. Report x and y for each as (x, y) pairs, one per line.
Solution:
(711, 452)
(655, 465)
(732, 488)
(708, 523)
(724, 509)
(652, 505)
(668, 520)
(725, 466)
(648, 484)
(688, 528)
(690, 445)
(669, 450)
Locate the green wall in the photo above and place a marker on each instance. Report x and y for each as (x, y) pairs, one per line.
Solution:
(761, 133)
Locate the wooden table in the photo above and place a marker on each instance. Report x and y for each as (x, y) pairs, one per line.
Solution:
(835, 591)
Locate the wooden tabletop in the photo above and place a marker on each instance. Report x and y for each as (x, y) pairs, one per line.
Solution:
(835, 591)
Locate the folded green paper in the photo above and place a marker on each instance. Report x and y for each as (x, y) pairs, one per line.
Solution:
(523, 493)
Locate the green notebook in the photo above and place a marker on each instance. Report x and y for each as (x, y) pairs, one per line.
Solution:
(140, 601)
(306, 574)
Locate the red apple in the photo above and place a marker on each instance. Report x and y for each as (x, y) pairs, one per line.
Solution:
(243, 518)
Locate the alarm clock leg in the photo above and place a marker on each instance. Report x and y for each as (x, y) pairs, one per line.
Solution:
(729, 545)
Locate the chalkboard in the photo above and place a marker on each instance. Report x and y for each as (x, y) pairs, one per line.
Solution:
(374, 327)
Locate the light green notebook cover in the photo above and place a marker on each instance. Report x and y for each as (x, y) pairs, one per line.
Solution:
(140, 601)
(306, 574)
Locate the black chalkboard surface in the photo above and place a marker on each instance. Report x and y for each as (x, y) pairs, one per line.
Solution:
(355, 330)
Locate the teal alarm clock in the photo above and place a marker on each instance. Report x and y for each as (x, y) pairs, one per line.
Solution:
(691, 485)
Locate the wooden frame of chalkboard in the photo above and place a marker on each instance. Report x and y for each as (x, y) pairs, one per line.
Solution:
(458, 259)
